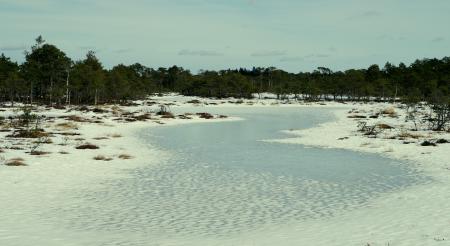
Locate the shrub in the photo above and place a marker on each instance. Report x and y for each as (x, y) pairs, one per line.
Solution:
(389, 111)
(205, 115)
(102, 158)
(195, 101)
(427, 143)
(15, 162)
(87, 146)
(125, 157)
(67, 126)
(142, 117)
(39, 153)
(385, 126)
(442, 141)
(29, 134)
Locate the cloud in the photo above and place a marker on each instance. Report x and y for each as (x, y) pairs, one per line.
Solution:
(267, 53)
(371, 13)
(186, 52)
(13, 48)
(317, 56)
(121, 51)
(438, 39)
(86, 48)
(366, 14)
(292, 59)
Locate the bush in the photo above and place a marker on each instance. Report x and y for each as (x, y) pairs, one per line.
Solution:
(87, 146)
(205, 115)
(102, 158)
(15, 162)
(125, 157)
(29, 134)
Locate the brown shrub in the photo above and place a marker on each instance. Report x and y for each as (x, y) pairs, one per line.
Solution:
(167, 115)
(409, 135)
(357, 117)
(385, 126)
(87, 146)
(389, 111)
(195, 101)
(76, 118)
(205, 115)
(102, 158)
(63, 152)
(115, 135)
(100, 138)
(142, 117)
(29, 134)
(67, 126)
(184, 117)
(15, 162)
(125, 157)
(39, 153)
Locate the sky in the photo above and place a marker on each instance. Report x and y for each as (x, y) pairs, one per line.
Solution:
(294, 35)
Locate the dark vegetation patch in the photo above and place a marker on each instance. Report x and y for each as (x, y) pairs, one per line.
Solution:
(87, 146)
(29, 134)
(442, 141)
(427, 143)
(205, 115)
(15, 162)
(125, 157)
(102, 158)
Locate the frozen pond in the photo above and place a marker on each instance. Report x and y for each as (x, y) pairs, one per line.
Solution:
(222, 182)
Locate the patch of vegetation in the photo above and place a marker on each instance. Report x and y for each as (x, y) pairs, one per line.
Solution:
(125, 157)
(15, 162)
(102, 158)
(205, 115)
(87, 146)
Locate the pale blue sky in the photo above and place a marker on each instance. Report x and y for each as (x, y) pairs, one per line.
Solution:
(296, 35)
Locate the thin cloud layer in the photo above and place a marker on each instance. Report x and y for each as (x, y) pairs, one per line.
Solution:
(268, 53)
(186, 52)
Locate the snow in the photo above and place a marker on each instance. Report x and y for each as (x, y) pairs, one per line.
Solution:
(418, 215)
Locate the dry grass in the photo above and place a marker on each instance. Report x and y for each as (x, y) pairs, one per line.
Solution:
(102, 158)
(205, 115)
(67, 126)
(87, 146)
(63, 152)
(15, 162)
(29, 134)
(115, 135)
(405, 135)
(167, 115)
(142, 117)
(101, 138)
(76, 118)
(389, 111)
(385, 126)
(195, 101)
(39, 153)
(125, 157)
(357, 117)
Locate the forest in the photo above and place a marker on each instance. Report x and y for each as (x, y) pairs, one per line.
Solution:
(48, 76)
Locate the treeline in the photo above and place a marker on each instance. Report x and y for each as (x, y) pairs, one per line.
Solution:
(48, 76)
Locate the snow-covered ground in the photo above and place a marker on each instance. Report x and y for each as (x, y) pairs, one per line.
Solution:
(416, 216)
